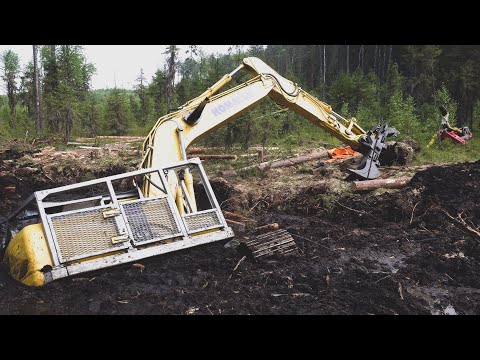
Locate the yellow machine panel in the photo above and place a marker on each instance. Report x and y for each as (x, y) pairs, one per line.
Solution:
(27, 255)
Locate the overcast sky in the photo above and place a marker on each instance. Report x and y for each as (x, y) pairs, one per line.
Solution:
(120, 63)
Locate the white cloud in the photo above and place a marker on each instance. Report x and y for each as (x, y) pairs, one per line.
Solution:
(120, 63)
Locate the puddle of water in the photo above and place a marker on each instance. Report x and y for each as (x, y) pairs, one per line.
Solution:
(449, 310)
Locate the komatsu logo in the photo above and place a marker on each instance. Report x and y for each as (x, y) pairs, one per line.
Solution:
(231, 103)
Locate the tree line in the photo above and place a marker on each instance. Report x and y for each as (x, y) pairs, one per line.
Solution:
(399, 84)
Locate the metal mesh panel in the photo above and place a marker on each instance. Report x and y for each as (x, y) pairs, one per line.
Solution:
(150, 220)
(84, 233)
(201, 221)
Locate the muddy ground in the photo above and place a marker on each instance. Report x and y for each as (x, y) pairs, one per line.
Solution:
(394, 252)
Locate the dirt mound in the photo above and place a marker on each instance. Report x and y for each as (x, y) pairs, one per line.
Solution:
(398, 153)
(413, 144)
(358, 254)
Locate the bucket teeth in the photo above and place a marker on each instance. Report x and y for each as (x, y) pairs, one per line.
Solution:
(368, 167)
(275, 242)
(368, 171)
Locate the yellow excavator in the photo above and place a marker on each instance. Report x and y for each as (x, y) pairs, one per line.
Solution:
(168, 203)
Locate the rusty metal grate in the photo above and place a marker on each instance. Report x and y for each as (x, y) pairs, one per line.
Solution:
(85, 233)
(150, 220)
(275, 242)
(201, 221)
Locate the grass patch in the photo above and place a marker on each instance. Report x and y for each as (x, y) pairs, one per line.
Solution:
(449, 152)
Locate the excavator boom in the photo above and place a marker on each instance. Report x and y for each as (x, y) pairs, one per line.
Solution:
(170, 204)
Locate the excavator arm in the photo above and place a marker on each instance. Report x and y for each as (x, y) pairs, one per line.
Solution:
(173, 133)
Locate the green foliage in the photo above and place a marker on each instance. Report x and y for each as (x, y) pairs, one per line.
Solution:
(11, 67)
(354, 89)
(476, 116)
(402, 85)
(448, 152)
(117, 113)
(443, 97)
(401, 114)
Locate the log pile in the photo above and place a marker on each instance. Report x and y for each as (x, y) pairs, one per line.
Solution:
(318, 154)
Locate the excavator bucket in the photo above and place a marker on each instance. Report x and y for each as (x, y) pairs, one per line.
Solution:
(373, 145)
(72, 233)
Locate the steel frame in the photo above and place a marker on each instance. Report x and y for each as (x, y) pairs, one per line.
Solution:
(131, 250)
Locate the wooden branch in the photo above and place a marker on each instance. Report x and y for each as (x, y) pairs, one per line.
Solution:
(221, 157)
(81, 143)
(368, 185)
(238, 264)
(90, 147)
(230, 221)
(202, 150)
(411, 218)
(267, 228)
(348, 208)
(118, 138)
(122, 138)
(237, 217)
(320, 154)
(460, 223)
(241, 226)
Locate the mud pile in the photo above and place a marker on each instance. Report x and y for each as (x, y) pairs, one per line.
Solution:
(362, 254)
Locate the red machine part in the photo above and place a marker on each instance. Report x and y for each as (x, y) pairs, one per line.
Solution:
(342, 152)
(452, 135)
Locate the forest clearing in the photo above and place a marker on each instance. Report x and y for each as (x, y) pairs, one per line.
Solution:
(354, 195)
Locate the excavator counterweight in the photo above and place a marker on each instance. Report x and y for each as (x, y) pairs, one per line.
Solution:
(170, 204)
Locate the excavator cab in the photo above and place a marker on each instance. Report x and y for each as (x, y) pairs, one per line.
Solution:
(71, 232)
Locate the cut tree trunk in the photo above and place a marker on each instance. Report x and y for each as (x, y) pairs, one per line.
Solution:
(369, 185)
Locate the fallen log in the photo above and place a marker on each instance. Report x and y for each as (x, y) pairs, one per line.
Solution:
(118, 138)
(201, 150)
(80, 143)
(237, 217)
(90, 147)
(220, 157)
(256, 155)
(122, 138)
(239, 225)
(267, 228)
(319, 154)
(369, 185)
